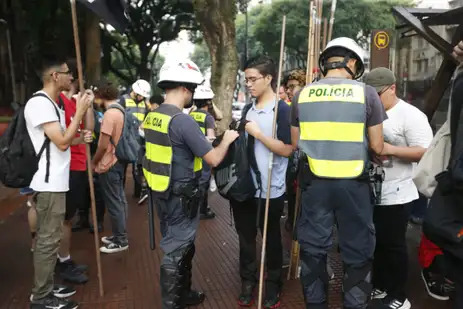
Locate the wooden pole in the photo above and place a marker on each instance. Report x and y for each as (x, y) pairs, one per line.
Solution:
(310, 43)
(89, 167)
(325, 32)
(270, 168)
(293, 270)
(333, 10)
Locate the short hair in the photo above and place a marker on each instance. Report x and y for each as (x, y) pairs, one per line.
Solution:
(106, 90)
(266, 66)
(298, 75)
(156, 98)
(49, 62)
(202, 103)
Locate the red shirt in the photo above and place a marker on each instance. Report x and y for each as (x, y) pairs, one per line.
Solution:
(78, 155)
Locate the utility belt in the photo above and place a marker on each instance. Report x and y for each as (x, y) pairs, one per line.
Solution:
(376, 178)
(189, 197)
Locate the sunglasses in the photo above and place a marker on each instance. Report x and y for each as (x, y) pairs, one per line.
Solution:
(384, 90)
(68, 72)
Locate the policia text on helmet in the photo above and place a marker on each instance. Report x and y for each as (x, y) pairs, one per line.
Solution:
(175, 147)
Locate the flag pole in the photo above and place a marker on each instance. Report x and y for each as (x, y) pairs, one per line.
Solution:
(89, 167)
(270, 168)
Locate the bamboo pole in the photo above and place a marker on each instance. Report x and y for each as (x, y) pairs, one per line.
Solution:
(270, 168)
(325, 32)
(310, 43)
(89, 168)
(333, 10)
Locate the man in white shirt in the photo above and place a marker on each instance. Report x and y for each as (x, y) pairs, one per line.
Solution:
(407, 134)
(51, 181)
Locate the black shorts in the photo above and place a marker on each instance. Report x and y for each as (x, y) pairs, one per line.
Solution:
(78, 195)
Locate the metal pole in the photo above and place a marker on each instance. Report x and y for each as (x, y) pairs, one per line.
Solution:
(10, 59)
(270, 168)
(89, 166)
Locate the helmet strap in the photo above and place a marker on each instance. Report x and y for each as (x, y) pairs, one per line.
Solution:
(339, 65)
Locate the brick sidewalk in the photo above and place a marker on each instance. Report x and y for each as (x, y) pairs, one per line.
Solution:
(132, 278)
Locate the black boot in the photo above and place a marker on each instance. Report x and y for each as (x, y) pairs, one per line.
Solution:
(190, 297)
(171, 286)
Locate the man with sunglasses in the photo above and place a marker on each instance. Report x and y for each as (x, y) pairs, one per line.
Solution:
(407, 134)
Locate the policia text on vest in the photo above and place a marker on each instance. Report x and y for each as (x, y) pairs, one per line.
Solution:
(332, 129)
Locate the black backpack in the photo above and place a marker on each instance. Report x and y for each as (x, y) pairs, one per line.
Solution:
(18, 160)
(128, 146)
(233, 176)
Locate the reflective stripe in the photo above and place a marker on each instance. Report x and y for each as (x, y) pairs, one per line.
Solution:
(332, 131)
(200, 118)
(351, 93)
(203, 130)
(332, 117)
(139, 116)
(198, 164)
(158, 153)
(157, 122)
(161, 183)
(130, 103)
(341, 169)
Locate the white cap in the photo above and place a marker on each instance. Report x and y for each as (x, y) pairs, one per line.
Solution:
(203, 92)
(142, 87)
(185, 71)
(348, 44)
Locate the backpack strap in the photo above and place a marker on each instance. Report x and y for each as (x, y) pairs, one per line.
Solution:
(46, 143)
(120, 108)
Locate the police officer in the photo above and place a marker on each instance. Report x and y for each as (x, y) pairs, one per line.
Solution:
(336, 120)
(202, 99)
(172, 166)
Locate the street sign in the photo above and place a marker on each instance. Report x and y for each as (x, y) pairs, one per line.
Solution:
(380, 48)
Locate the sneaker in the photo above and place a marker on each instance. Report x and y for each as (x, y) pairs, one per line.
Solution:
(72, 272)
(393, 303)
(246, 298)
(62, 291)
(378, 294)
(193, 298)
(114, 248)
(272, 301)
(209, 214)
(107, 240)
(437, 288)
(53, 302)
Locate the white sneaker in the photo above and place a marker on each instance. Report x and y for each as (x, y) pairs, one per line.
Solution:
(114, 248)
(212, 185)
(378, 294)
(396, 304)
(107, 240)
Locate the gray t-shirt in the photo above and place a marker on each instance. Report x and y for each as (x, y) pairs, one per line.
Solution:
(187, 142)
(374, 108)
(264, 119)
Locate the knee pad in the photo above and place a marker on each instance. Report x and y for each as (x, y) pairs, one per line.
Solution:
(358, 276)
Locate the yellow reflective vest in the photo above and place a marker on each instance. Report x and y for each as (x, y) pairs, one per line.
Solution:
(157, 163)
(137, 110)
(200, 118)
(332, 116)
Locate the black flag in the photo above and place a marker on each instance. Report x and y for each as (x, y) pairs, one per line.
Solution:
(110, 11)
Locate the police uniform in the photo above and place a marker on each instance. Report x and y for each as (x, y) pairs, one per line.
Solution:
(332, 117)
(205, 121)
(138, 110)
(172, 167)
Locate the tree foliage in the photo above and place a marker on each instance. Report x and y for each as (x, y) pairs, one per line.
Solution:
(353, 18)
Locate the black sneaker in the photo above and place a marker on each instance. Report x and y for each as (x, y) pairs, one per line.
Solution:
(436, 285)
(62, 291)
(71, 272)
(114, 247)
(246, 298)
(272, 301)
(193, 298)
(393, 303)
(208, 214)
(53, 302)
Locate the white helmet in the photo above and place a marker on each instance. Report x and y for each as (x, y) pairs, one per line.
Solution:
(142, 87)
(185, 71)
(203, 93)
(350, 45)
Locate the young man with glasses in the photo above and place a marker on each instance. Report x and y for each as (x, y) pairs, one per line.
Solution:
(407, 134)
(45, 123)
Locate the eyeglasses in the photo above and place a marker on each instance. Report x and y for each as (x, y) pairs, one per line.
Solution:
(384, 90)
(252, 80)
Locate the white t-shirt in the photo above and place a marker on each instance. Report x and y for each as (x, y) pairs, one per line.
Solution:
(406, 126)
(39, 110)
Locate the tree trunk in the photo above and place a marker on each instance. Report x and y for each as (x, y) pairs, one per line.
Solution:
(217, 22)
(93, 48)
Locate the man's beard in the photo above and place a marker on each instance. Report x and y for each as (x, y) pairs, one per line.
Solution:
(189, 104)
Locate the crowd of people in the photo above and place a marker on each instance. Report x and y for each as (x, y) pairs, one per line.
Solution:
(332, 135)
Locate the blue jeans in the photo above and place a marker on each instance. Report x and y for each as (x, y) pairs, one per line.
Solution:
(114, 198)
